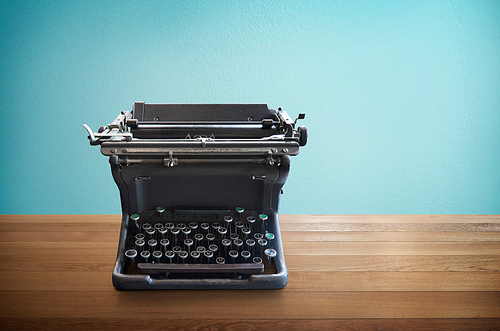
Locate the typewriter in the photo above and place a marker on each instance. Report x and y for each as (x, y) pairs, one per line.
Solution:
(199, 187)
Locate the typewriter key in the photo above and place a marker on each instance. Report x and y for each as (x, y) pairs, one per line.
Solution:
(258, 236)
(240, 210)
(140, 236)
(239, 224)
(158, 226)
(257, 260)
(270, 253)
(222, 231)
(250, 242)
(164, 243)
(135, 218)
(162, 231)
(181, 226)
(233, 254)
(183, 255)
(169, 225)
(220, 260)
(245, 254)
(251, 219)
(226, 242)
(145, 255)
(150, 232)
(233, 236)
(215, 225)
(228, 220)
(210, 236)
(189, 243)
(139, 243)
(177, 249)
(270, 236)
(246, 231)
(208, 255)
(131, 254)
(193, 225)
(152, 243)
(186, 231)
(146, 226)
(160, 210)
(170, 255)
(213, 248)
(157, 255)
(198, 237)
(201, 249)
(262, 242)
(238, 242)
(195, 255)
(205, 226)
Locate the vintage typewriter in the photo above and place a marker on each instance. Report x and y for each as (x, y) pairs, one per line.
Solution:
(199, 187)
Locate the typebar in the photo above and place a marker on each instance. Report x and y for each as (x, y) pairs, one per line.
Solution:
(241, 268)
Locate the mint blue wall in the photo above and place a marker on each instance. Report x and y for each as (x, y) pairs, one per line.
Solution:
(402, 97)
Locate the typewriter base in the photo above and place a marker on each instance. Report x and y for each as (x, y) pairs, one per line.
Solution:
(126, 276)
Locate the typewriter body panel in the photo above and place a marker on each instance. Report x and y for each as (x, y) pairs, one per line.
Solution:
(200, 188)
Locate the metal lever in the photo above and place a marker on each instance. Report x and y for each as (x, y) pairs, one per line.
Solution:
(241, 268)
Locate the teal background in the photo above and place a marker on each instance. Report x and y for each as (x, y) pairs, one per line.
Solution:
(402, 97)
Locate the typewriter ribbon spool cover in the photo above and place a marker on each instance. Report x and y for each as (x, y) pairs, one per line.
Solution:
(199, 187)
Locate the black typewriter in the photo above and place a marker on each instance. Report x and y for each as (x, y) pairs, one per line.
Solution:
(199, 187)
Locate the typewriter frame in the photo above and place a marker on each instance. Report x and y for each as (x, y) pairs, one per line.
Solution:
(151, 160)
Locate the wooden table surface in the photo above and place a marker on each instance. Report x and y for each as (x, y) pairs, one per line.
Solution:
(434, 272)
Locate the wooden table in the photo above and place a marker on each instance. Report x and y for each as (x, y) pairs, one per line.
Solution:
(345, 272)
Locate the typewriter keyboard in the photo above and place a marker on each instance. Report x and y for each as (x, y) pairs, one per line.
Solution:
(180, 243)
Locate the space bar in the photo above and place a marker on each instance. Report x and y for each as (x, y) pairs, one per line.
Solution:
(241, 268)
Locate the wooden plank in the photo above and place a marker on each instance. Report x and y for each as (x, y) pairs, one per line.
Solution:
(388, 236)
(303, 263)
(390, 248)
(253, 324)
(279, 305)
(100, 281)
(392, 263)
(377, 227)
(81, 236)
(40, 219)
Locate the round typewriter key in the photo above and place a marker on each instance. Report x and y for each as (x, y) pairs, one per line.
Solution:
(175, 231)
(246, 231)
(177, 249)
(170, 255)
(220, 260)
(258, 236)
(145, 255)
(215, 225)
(146, 226)
(150, 231)
(257, 260)
(157, 255)
(226, 242)
(193, 225)
(262, 242)
(160, 210)
(208, 254)
(131, 254)
(183, 255)
(270, 253)
(169, 225)
(239, 224)
(205, 226)
(164, 243)
(195, 255)
(210, 236)
(239, 210)
(233, 236)
(228, 219)
(263, 217)
(140, 236)
(158, 226)
(201, 249)
(152, 243)
(245, 254)
(162, 230)
(222, 230)
(270, 236)
(181, 226)
(213, 248)
(233, 254)
(140, 243)
(198, 237)
(134, 217)
(238, 242)
(251, 219)
(188, 242)
(250, 242)
(186, 231)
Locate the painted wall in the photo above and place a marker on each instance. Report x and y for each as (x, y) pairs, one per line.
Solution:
(402, 97)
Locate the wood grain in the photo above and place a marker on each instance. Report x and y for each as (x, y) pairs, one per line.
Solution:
(355, 272)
